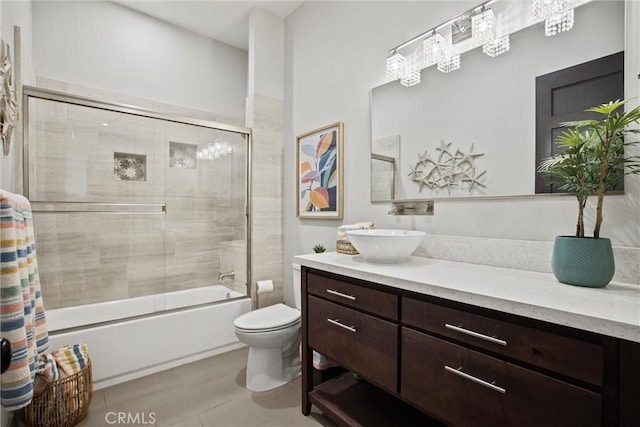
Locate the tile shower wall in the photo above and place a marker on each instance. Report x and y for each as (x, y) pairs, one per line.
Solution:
(267, 246)
(72, 151)
(81, 154)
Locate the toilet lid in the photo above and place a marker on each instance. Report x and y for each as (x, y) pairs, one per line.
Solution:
(274, 316)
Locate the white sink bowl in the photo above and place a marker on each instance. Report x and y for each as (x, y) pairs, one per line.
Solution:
(385, 246)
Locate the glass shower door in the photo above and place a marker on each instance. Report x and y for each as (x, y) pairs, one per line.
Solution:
(133, 208)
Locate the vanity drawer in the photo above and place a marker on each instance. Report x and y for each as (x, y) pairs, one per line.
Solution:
(371, 300)
(467, 388)
(357, 341)
(569, 356)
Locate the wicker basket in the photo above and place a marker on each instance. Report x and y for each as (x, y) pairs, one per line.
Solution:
(63, 403)
(343, 247)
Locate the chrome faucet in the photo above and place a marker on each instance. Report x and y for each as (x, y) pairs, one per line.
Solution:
(221, 276)
(411, 207)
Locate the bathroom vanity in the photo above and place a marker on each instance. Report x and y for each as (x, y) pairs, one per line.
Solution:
(446, 342)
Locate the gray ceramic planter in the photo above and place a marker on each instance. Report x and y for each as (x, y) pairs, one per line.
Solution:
(583, 261)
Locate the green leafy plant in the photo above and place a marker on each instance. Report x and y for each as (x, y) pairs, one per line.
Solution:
(319, 249)
(593, 158)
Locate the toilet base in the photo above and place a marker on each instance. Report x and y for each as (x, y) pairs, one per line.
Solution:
(266, 370)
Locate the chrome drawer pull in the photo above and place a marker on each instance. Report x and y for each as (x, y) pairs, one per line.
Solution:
(474, 379)
(340, 294)
(476, 334)
(342, 325)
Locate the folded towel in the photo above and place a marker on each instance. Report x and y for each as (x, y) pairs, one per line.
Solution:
(341, 236)
(62, 363)
(47, 368)
(365, 225)
(321, 362)
(46, 371)
(71, 359)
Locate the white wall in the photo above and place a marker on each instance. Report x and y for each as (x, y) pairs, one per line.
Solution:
(266, 54)
(107, 46)
(335, 54)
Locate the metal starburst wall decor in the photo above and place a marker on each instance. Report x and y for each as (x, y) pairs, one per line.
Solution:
(8, 98)
(448, 169)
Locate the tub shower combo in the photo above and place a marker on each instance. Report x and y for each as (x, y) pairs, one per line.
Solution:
(142, 233)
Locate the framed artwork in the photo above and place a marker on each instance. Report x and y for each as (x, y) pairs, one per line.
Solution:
(319, 173)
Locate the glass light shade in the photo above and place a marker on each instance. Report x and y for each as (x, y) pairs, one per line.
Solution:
(410, 79)
(558, 23)
(435, 48)
(395, 66)
(497, 47)
(543, 9)
(449, 64)
(483, 26)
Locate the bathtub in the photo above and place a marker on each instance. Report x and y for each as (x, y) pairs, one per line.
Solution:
(131, 338)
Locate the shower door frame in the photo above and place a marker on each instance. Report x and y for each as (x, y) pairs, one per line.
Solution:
(131, 208)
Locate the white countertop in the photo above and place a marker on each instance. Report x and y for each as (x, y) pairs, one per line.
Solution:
(613, 310)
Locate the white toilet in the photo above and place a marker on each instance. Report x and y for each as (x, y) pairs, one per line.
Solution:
(273, 335)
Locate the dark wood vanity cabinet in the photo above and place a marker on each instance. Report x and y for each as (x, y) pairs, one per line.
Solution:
(361, 342)
(426, 361)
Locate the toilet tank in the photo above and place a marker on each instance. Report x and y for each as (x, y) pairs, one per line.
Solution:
(295, 268)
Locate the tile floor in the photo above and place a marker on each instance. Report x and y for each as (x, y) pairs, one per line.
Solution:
(209, 392)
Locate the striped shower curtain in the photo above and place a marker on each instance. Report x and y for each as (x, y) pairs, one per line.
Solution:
(22, 319)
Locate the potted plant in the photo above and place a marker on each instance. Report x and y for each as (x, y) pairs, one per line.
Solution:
(319, 248)
(592, 162)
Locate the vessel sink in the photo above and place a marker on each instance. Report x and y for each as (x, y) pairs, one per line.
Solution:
(385, 246)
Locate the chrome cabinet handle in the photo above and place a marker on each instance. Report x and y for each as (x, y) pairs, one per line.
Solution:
(340, 294)
(476, 334)
(474, 379)
(342, 325)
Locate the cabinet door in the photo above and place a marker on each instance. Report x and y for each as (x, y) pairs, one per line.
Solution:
(467, 388)
(563, 95)
(357, 341)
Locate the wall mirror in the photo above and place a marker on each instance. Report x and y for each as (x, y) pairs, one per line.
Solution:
(485, 112)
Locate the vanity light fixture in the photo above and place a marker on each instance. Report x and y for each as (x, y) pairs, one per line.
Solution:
(497, 46)
(556, 14)
(558, 23)
(449, 64)
(410, 79)
(436, 48)
(412, 68)
(395, 65)
(406, 60)
(483, 26)
(461, 29)
(543, 9)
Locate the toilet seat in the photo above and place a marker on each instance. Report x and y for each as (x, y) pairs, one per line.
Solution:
(260, 331)
(272, 318)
